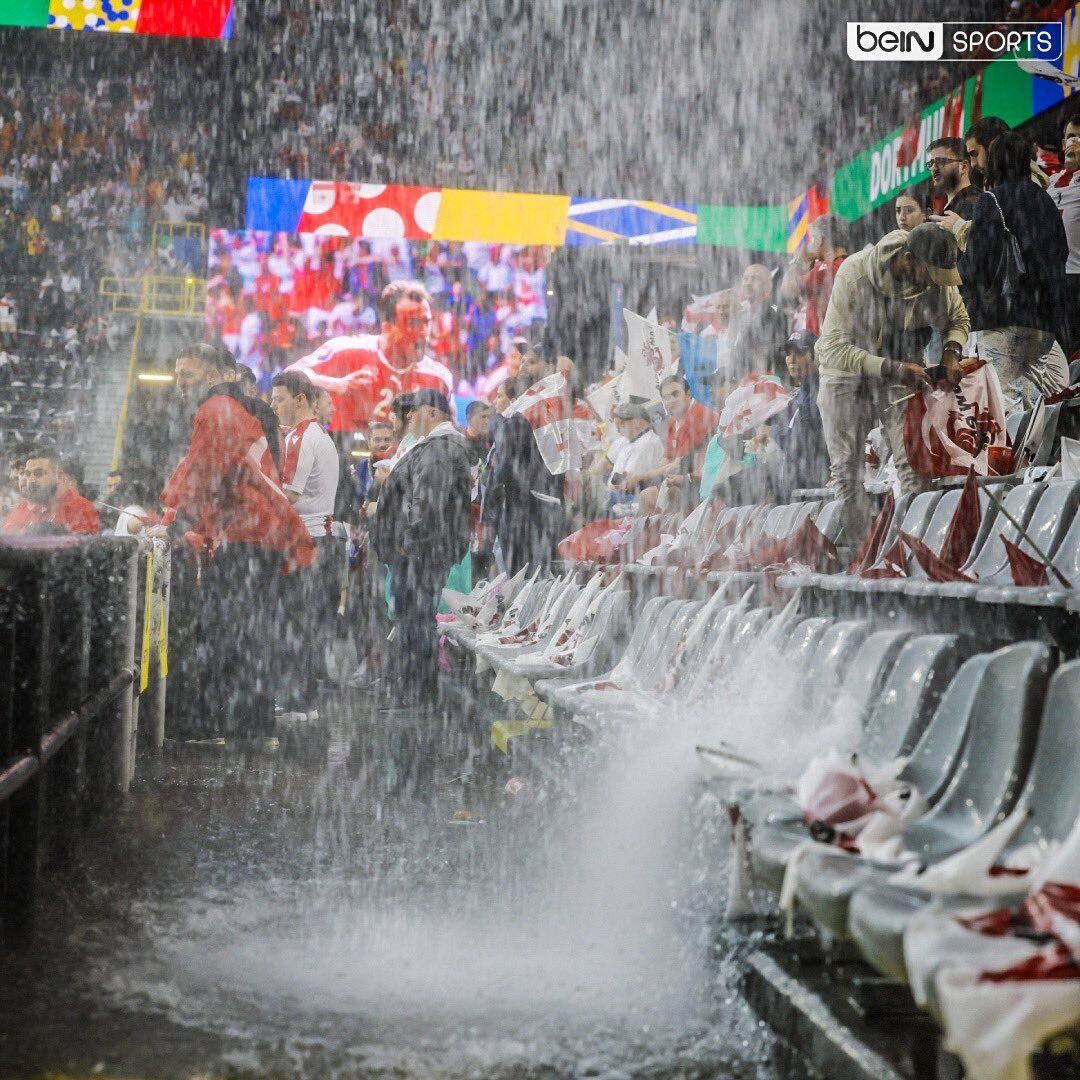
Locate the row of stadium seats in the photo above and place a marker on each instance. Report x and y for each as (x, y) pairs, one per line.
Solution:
(985, 739)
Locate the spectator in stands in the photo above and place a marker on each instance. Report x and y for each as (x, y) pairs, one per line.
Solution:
(421, 530)
(113, 481)
(240, 532)
(523, 504)
(886, 301)
(477, 438)
(1064, 189)
(310, 472)
(798, 431)
(758, 328)
(977, 140)
(9, 325)
(809, 277)
(52, 503)
(637, 450)
(911, 209)
(1020, 328)
(690, 426)
(950, 176)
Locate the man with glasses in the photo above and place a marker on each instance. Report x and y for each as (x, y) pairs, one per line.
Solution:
(950, 176)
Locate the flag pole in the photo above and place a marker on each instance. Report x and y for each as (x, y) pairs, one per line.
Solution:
(1024, 535)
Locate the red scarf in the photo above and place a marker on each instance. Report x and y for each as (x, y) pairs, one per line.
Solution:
(292, 450)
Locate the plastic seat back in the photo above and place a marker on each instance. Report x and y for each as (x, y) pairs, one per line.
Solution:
(936, 528)
(829, 519)
(835, 649)
(804, 640)
(898, 717)
(988, 557)
(934, 756)
(652, 625)
(800, 511)
(1052, 792)
(1048, 440)
(1015, 423)
(1048, 525)
(997, 752)
(914, 519)
(1067, 557)
(657, 659)
(869, 667)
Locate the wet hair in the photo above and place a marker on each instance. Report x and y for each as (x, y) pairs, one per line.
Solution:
(297, 383)
(957, 147)
(1010, 158)
(213, 356)
(680, 379)
(986, 130)
(43, 452)
(247, 377)
(915, 196)
(1072, 118)
(401, 406)
(383, 425)
(514, 387)
(399, 290)
(832, 229)
(471, 408)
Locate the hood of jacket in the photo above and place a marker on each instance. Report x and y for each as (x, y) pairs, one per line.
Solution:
(879, 258)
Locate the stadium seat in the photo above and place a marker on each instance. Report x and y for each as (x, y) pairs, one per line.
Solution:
(880, 912)
(895, 719)
(988, 556)
(998, 711)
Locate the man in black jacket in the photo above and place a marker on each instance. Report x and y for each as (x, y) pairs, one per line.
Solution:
(421, 529)
(523, 503)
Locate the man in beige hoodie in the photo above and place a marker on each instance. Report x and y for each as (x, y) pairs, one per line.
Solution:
(887, 301)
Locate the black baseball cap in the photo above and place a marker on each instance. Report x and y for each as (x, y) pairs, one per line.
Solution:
(433, 398)
(801, 341)
(937, 250)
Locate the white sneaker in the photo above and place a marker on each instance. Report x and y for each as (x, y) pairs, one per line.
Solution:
(312, 714)
(292, 717)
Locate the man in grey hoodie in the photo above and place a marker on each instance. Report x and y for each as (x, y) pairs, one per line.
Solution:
(887, 301)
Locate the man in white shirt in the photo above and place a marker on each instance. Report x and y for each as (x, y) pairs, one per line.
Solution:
(637, 449)
(309, 474)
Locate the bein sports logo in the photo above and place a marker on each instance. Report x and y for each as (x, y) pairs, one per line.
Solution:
(954, 41)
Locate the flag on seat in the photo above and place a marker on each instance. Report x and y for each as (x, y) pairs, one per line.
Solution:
(870, 549)
(891, 564)
(934, 567)
(964, 527)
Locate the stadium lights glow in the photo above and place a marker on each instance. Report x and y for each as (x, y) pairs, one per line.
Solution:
(361, 453)
(155, 376)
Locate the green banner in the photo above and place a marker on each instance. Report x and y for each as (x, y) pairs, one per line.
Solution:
(24, 12)
(752, 228)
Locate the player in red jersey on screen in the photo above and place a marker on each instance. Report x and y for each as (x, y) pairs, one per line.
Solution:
(365, 372)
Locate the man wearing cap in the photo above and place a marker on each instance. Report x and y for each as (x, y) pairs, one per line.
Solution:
(421, 529)
(638, 448)
(886, 302)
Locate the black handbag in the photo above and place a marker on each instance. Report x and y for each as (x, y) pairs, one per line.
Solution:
(1011, 269)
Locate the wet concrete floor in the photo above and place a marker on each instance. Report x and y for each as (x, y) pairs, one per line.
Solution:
(365, 899)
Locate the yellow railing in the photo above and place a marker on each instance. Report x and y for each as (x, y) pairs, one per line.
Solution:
(169, 297)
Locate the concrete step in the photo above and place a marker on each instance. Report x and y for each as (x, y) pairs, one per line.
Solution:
(107, 399)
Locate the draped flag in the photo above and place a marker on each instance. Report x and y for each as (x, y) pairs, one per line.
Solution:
(564, 431)
(870, 548)
(756, 399)
(947, 432)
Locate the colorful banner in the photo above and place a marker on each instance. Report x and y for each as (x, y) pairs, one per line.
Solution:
(174, 18)
(631, 221)
(808, 207)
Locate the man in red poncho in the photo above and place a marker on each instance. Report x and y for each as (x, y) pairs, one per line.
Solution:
(365, 372)
(240, 532)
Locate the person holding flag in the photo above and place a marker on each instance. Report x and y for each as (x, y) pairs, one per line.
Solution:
(365, 372)
(240, 532)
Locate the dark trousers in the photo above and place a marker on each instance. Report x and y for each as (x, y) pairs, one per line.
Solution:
(417, 588)
(308, 608)
(222, 670)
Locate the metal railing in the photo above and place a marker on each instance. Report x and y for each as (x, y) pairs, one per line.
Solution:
(73, 669)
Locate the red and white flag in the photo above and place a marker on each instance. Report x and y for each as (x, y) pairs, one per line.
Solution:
(564, 431)
(947, 432)
(756, 399)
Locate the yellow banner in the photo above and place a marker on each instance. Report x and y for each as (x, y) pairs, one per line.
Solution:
(148, 618)
(501, 217)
